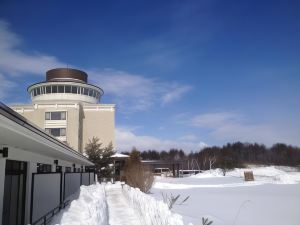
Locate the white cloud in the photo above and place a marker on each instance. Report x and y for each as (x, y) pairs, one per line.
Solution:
(126, 139)
(229, 127)
(189, 137)
(134, 92)
(5, 86)
(213, 120)
(13, 61)
(176, 93)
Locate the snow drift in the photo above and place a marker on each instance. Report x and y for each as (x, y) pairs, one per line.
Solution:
(89, 209)
(268, 174)
(151, 211)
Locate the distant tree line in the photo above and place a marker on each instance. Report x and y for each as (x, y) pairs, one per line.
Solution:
(230, 155)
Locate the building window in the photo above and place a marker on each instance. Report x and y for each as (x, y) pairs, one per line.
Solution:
(90, 92)
(55, 115)
(54, 89)
(56, 132)
(58, 169)
(44, 168)
(85, 91)
(67, 89)
(48, 89)
(61, 89)
(74, 90)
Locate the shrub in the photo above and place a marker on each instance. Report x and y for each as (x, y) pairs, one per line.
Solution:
(136, 174)
(205, 221)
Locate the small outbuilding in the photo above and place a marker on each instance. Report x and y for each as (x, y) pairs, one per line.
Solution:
(173, 165)
(119, 160)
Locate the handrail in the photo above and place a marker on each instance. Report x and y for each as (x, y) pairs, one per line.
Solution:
(52, 213)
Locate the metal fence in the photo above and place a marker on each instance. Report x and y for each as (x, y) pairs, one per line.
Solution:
(51, 192)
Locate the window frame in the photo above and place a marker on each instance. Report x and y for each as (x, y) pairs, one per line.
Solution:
(43, 168)
(60, 132)
(51, 117)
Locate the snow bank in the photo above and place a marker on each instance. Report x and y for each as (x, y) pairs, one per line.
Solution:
(89, 209)
(269, 174)
(151, 211)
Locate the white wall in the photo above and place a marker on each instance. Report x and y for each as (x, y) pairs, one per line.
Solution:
(32, 159)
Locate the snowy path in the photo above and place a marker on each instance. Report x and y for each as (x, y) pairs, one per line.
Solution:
(120, 212)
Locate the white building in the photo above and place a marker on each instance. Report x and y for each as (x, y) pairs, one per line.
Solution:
(38, 173)
(67, 107)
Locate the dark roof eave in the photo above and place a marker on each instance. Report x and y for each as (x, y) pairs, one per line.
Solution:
(14, 116)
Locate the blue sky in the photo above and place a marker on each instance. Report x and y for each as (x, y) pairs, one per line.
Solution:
(183, 74)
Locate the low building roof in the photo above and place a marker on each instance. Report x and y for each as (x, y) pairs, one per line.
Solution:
(16, 131)
(119, 155)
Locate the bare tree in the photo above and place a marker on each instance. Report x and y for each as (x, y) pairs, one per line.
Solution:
(212, 160)
(204, 163)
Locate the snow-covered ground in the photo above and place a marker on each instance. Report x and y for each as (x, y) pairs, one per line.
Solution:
(273, 198)
(115, 205)
(149, 210)
(89, 208)
(120, 211)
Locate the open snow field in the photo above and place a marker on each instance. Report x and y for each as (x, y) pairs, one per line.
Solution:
(272, 199)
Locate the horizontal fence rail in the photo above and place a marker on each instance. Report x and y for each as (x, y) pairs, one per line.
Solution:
(45, 219)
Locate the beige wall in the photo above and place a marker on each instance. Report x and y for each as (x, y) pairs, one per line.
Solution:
(99, 123)
(73, 125)
(35, 116)
(83, 121)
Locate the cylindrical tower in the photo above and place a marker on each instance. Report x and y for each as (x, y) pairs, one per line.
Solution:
(65, 84)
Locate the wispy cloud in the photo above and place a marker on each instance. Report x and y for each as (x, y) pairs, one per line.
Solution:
(175, 94)
(5, 86)
(134, 92)
(216, 119)
(232, 126)
(14, 61)
(189, 137)
(126, 139)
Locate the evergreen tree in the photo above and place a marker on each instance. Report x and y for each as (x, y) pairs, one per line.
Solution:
(100, 156)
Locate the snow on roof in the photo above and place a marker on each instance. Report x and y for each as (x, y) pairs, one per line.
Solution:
(119, 155)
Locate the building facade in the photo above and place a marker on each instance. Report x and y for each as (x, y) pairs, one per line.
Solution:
(68, 107)
(38, 173)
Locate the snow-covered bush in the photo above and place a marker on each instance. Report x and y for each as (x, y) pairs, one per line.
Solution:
(151, 211)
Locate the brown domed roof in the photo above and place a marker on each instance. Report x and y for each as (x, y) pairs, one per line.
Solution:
(64, 74)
